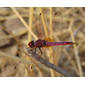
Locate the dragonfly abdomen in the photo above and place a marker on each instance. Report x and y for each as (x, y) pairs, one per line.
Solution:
(58, 43)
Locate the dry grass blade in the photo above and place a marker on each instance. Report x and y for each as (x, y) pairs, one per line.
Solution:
(53, 74)
(30, 23)
(76, 51)
(25, 24)
(9, 56)
(51, 20)
(43, 22)
(17, 35)
(20, 25)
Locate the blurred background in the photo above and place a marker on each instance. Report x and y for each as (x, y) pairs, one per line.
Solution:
(18, 26)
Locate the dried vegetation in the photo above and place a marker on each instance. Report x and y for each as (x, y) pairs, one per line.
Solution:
(18, 26)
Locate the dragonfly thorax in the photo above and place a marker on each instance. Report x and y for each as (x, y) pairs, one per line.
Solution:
(40, 43)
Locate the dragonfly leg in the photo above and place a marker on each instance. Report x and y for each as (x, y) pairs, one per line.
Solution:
(40, 50)
(35, 50)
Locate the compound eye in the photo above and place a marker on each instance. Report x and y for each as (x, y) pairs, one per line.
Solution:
(31, 44)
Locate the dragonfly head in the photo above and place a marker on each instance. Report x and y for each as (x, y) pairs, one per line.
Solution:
(31, 44)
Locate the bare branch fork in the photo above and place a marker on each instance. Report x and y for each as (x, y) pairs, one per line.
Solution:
(48, 64)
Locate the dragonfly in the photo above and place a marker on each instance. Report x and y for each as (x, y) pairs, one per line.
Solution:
(43, 43)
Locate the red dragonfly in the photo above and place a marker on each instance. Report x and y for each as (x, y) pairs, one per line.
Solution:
(43, 43)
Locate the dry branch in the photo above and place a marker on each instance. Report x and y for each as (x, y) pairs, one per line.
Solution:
(48, 64)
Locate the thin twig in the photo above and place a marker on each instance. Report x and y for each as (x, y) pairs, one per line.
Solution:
(47, 63)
